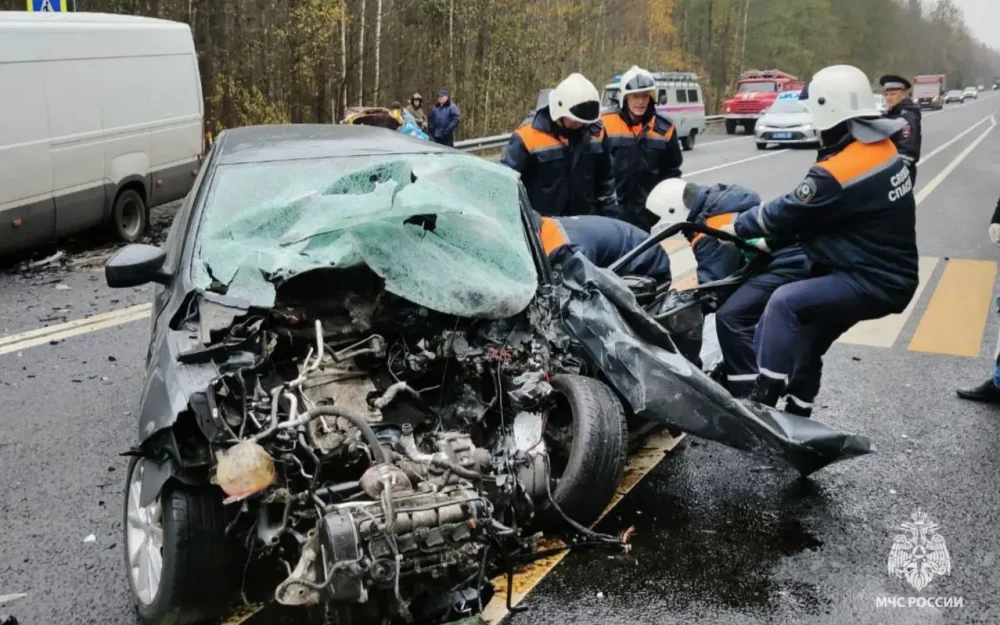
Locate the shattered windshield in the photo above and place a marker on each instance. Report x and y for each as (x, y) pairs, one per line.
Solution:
(442, 231)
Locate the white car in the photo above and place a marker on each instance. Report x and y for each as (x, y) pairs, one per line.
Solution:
(787, 122)
(880, 103)
(970, 93)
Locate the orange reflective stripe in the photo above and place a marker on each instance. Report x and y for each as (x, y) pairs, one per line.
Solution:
(552, 235)
(535, 139)
(669, 134)
(717, 222)
(614, 125)
(858, 159)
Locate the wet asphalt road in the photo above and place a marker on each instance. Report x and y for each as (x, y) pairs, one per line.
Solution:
(721, 537)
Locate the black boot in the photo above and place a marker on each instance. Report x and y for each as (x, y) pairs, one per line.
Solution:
(767, 390)
(985, 392)
(794, 407)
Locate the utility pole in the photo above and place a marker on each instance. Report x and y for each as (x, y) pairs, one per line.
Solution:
(743, 54)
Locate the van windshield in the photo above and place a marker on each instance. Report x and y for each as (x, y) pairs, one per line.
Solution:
(759, 87)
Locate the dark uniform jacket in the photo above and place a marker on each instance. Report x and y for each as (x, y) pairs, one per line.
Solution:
(720, 205)
(644, 152)
(908, 139)
(855, 216)
(603, 241)
(565, 173)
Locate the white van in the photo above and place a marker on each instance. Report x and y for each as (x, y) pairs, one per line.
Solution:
(679, 98)
(101, 117)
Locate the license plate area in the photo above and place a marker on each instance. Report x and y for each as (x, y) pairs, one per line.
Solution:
(782, 135)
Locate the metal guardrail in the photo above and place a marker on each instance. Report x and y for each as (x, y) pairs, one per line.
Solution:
(499, 141)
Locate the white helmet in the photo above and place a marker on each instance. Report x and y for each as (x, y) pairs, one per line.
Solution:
(575, 98)
(839, 93)
(666, 200)
(636, 80)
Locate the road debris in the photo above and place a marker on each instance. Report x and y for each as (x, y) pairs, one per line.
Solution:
(90, 539)
(4, 599)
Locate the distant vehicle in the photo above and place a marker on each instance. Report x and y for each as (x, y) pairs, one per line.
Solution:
(970, 93)
(756, 91)
(109, 122)
(880, 103)
(953, 96)
(981, 88)
(928, 91)
(786, 122)
(679, 97)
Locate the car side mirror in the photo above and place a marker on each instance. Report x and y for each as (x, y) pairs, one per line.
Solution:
(135, 265)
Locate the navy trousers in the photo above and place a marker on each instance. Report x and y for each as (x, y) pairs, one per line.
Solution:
(735, 325)
(800, 323)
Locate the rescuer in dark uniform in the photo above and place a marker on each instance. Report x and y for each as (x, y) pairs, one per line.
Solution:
(561, 157)
(854, 216)
(643, 145)
(895, 90)
(602, 241)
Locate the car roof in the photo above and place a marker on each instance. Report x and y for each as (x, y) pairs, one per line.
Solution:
(287, 142)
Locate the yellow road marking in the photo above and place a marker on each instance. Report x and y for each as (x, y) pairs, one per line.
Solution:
(687, 282)
(883, 332)
(24, 340)
(640, 464)
(957, 313)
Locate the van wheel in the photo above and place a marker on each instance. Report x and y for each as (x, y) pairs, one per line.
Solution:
(130, 216)
(688, 142)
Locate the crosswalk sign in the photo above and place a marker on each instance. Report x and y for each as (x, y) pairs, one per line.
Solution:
(47, 6)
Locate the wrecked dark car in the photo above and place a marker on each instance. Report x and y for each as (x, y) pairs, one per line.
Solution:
(358, 387)
(369, 390)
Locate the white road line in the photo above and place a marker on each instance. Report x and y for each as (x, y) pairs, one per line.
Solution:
(945, 146)
(17, 342)
(933, 184)
(745, 160)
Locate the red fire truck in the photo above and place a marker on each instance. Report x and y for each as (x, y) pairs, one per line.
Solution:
(755, 93)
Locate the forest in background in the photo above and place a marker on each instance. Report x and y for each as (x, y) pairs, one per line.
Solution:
(273, 61)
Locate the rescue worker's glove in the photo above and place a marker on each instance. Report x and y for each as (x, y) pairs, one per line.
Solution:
(749, 256)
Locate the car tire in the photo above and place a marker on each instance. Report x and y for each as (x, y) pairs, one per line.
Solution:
(688, 142)
(730, 126)
(761, 145)
(749, 126)
(597, 457)
(129, 216)
(195, 581)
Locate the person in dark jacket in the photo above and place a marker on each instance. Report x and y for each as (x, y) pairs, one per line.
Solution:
(561, 157)
(895, 90)
(988, 391)
(602, 241)
(643, 145)
(444, 119)
(855, 217)
(740, 309)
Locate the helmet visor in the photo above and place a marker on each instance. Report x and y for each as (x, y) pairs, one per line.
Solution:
(640, 82)
(589, 111)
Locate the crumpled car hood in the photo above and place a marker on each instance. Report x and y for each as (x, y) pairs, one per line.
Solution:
(442, 231)
(637, 357)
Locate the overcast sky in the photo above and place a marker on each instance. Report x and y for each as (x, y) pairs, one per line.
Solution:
(983, 18)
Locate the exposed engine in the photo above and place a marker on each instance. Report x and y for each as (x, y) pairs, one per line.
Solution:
(372, 443)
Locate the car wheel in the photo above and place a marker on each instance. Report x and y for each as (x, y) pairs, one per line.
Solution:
(688, 142)
(588, 444)
(130, 216)
(761, 145)
(730, 126)
(176, 559)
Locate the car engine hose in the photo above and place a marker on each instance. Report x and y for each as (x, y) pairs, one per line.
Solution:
(357, 421)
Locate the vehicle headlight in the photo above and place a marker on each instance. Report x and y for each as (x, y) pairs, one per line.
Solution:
(729, 108)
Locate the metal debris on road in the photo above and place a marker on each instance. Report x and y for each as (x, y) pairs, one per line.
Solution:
(63, 287)
(90, 539)
(47, 261)
(12, 597)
